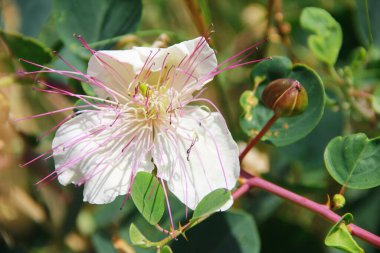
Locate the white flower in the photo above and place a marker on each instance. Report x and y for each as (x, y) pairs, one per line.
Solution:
(141, 119)
(144, 119)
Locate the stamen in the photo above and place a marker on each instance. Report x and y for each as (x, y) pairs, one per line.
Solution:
(129, 143)
(191, 146)
(169, 209)
(163, 66)
(66, 62)
(84, 43)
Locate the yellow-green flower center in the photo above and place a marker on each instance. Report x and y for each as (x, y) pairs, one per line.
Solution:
(151, 102)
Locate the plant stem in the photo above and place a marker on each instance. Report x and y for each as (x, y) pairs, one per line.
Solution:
(197, 16)
(255, 140)
(320, 209)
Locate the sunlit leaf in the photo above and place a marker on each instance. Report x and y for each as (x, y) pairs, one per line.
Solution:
(326, 40)
(148, 196)
(137, 238)
(354, 161)
(211, 203)
(339, 236)
(166, 249)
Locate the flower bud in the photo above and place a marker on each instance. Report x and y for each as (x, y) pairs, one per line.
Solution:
(339, 201)
(286, 97)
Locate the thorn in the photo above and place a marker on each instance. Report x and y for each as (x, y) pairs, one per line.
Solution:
(182, 232)
(328, 202)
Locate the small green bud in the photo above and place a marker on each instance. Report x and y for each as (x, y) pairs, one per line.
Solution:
(286, 97)
(339, 201)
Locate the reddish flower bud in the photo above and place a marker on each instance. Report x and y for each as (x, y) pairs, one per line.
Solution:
(286, 97)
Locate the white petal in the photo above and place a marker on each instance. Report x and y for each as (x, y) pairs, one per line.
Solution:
(190, 63)
(193, 58)
(115, 69)
(197, 156)
(88, 149)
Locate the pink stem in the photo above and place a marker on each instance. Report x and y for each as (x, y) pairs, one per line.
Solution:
(320, 209)
(258, 137)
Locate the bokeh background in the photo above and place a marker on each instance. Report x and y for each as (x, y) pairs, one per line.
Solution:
(53, 218)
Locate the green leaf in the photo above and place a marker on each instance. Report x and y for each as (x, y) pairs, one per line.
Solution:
(166, 249)
(95, 19)
(339, 237)
(275, 68)
(27, 48)
(88, 89)
(211, 203)
(224, 232)
(326, 40)
(354, 161)
(286, 130)
(375, 99)
(137, 238)
(34, 15)
(148, 196)
(248, 101)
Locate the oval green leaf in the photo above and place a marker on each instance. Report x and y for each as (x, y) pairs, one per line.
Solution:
(326, 40)
(148, 196)
(354, 161)
(95, 20)
(27, 48)
(211, 203)
(286, 130)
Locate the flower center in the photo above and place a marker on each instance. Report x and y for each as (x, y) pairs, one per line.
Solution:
(151, 102)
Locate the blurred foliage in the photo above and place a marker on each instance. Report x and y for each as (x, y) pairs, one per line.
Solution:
(337, 46)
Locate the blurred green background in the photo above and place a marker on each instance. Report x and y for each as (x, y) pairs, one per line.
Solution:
(53, 218)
